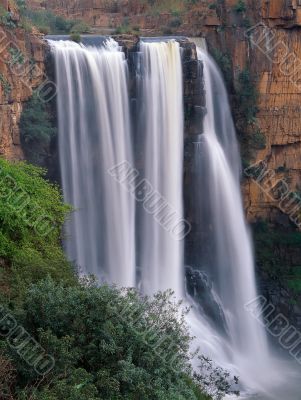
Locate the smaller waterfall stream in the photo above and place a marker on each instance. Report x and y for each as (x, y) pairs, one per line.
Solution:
(242, 344)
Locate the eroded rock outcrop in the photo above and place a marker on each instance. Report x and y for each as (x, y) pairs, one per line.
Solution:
(21, 70)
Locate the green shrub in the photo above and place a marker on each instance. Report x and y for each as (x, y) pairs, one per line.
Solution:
(75, 37)
(123, 29)
(108, 344)
(240, 6)
(31, 218)
(80, 27)
(17, 57)
(258, 140)
(49, 23)
(6, 18)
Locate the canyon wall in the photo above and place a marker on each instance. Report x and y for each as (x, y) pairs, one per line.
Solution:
(21, 70)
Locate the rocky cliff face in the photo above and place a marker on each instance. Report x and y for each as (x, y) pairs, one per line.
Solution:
(21, 70)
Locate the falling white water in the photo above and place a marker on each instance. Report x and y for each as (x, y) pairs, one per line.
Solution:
(94, 136)
(226, 254)
(162, 98)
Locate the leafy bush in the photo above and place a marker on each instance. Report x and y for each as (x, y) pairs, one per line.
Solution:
(124, 29)
(6, 18)
(107, 344)
(17, 57)
(31, 219)
(80, 27)
(258, 140)
(75, 37)
(49, 23)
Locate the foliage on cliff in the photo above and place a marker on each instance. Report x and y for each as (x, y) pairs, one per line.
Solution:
(106, 343)
(49, 23)
(31, 215)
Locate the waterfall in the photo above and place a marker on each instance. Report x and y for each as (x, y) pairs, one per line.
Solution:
(162, 127)
(95, 135)
(137, 242)
(226, 254)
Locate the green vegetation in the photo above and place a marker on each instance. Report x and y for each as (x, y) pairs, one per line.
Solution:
(80, 27)
(240, 6)
(107, 344)
(126, 28)
(175, 7)
(17, 57)
(49, 23)
(31, 215)
(246, 109)
(258, 140)
(37, 130)
(272, 249)
(5, 85)
(75, 37)
(6, 18)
